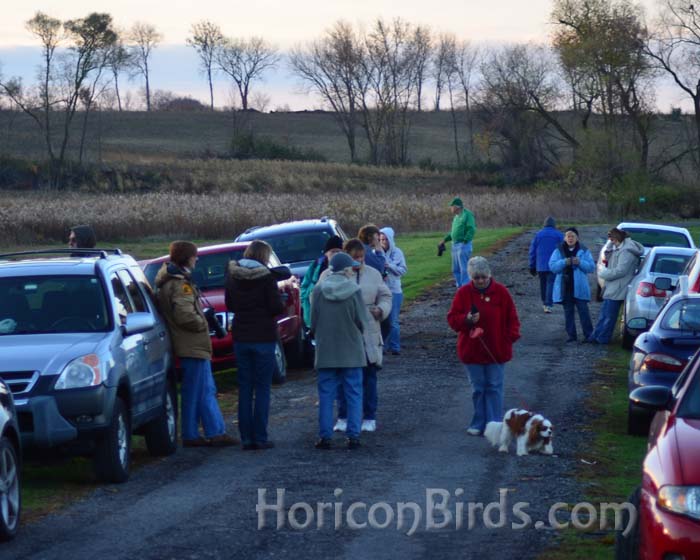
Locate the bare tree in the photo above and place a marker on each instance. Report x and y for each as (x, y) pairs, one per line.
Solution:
(443, 56)
(119, 60)
(330, 67)
(675, 48)
(245, 61)
(143, 39)
(62, 85)
(423, 41)
(466, 61)
(207, 39)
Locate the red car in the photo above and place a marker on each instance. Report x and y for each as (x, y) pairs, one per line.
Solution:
(210, 274)
(668, 502)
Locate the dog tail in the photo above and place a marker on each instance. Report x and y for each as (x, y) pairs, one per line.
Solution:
(493, 432)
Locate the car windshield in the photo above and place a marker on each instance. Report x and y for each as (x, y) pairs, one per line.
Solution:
(208, 273)
(52, 304)
(684, 315)
(669, 264)
(658, 237)
(298, 247)
(690, 405)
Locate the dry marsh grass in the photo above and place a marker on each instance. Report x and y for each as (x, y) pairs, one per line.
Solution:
(28, 218)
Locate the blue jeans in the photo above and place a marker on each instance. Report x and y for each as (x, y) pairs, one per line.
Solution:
(460, 257)
(330, 383)
(605, 326)
(546, 287)
(487, 393)
(370, 398)
(198, 395)
(583, 314)
(393, 341)
(256, 365)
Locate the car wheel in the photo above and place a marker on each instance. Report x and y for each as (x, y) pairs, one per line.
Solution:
(638, 421)
(161, 433)
(280, 374)
(10, 504)
(294, 350)
(113, 453)
(627, 546)
(627, 339)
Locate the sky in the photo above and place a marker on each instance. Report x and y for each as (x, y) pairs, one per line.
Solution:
(285, 23)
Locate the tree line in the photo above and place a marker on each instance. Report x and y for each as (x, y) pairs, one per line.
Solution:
(585, 101)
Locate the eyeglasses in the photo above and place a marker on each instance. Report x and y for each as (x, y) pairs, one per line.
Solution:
(480, 277)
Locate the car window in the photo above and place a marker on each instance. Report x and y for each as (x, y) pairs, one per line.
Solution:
(690, 264)
(210, 270)
(122, 303)
(656, 237)
(684, 315)
(298, 247)
(689, 407)
(669, 264)
(52, 304)
(132, 288)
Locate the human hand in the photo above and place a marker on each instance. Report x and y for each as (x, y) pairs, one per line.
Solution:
(575, 261)
(473, 318)
(376, 312)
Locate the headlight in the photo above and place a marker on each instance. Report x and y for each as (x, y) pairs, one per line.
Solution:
(681, 499)
(229, 321)
(81, 372)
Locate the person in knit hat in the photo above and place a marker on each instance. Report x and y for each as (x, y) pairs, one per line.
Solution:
(571, 262)
(541, 248)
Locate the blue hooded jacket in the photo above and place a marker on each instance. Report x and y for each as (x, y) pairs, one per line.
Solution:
(395, 263)
(543, 244)
(557, 263)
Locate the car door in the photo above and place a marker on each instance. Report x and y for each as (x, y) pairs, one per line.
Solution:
(154, 345)
(132, 349)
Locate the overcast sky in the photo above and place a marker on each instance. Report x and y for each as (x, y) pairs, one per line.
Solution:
(283, 22)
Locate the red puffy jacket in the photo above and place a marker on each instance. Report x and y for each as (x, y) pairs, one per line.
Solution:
(497, 317)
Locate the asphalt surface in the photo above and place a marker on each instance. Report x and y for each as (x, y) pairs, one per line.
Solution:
(201, 503)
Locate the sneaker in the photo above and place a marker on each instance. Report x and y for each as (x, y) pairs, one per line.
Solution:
(353, 443)
(249, 447)
(473, 432)
(340, 425)
(264, 444)
(369, 426)
(198, 442)
(547, 309)
(223, 440)
(395, 353)
(323, 443)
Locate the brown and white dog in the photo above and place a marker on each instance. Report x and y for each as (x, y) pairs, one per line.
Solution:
(532, 432)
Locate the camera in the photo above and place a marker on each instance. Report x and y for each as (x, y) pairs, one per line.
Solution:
(441, 249)
(214, 325)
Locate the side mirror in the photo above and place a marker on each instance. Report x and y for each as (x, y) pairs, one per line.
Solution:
(137, 323)
(654, 397)
(282, 272)
(663, 283)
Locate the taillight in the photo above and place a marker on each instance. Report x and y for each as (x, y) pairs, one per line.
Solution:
(664, 362)
(647, 289)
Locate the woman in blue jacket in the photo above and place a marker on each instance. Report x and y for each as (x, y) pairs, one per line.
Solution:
(543, 244)
(572, 263)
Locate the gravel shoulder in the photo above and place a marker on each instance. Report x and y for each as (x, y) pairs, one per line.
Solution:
(201, 503)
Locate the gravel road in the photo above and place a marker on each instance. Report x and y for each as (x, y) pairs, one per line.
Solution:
(201, 503)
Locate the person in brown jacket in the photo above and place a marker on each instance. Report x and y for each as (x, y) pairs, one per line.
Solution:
(178, 301)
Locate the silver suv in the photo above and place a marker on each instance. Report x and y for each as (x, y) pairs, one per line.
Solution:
(86, 355)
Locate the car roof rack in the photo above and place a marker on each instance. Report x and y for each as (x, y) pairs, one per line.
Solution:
(102, 253)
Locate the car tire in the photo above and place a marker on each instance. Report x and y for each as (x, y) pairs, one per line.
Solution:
(10, 499)
(638, 421)
(627, 339)
(279, 376)
(113, 454)
(627, 546)
(294, 350)
(161, 433)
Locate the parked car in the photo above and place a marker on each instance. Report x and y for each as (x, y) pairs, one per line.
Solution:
(86, 356)
(644, 299)
(210, 275)
(648, 235)
(668, 501)
(10, 465)
(659, 355)
(298, 243)
(692, 271)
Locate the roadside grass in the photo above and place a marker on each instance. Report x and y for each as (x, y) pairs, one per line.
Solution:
(610, 467)
(51, 483)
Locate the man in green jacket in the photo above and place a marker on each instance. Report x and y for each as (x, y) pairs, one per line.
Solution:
(462, 234)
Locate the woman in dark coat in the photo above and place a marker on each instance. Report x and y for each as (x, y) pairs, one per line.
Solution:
(252, 295)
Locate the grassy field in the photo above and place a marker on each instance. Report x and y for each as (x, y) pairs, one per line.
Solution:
(48, 485)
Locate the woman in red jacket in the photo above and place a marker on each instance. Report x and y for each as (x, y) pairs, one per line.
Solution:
(484, 315)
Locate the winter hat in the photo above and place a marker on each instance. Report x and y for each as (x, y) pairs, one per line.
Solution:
(341, 261)
(571, 229)
(457, 202)
(550, 222)
(333, 242)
